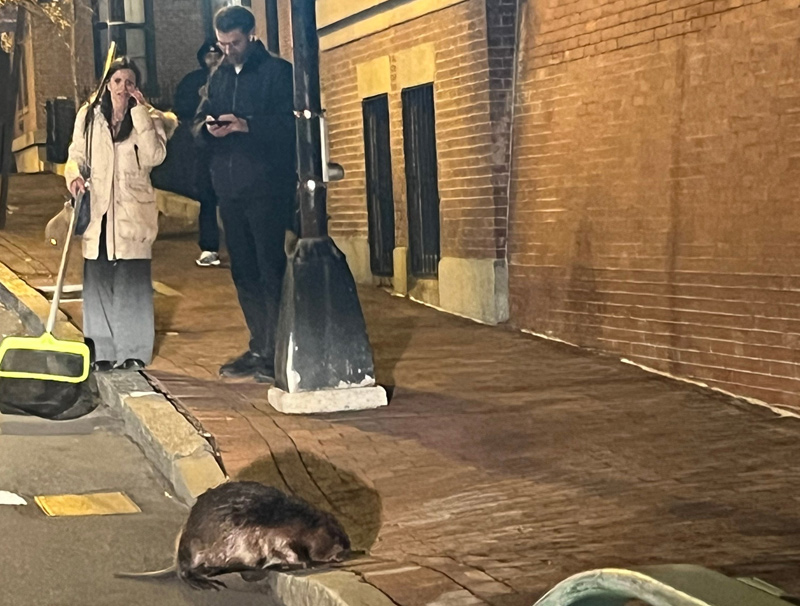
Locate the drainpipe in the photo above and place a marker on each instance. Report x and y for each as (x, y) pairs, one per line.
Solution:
(519, 43)
(9, 109)
(273, 28)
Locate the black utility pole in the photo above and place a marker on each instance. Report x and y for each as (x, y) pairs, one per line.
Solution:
(322, 342)
(9, 111)
(307, 104)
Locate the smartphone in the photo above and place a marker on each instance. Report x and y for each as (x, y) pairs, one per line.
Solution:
(218, 122)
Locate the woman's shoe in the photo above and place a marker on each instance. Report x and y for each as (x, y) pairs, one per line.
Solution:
(131, 364)
(102, 366)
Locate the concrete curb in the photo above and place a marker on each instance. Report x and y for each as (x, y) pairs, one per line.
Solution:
(167, 439)
(31, 306)
(337, 588)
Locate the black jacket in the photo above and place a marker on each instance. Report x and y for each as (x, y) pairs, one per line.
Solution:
(260, 163)
(187, 94)
(185, 170)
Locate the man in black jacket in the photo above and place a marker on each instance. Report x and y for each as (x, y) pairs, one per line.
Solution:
(246, 118)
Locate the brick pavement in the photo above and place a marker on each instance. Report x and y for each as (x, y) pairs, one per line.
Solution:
(503, 463)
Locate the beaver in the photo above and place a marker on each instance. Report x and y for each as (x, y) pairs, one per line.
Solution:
(247, 527)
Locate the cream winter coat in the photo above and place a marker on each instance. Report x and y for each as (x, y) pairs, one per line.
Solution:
(120, 181)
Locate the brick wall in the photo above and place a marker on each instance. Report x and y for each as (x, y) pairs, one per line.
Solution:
(463, 125)
(655, 186)
(285, 28)
(179, 32)
(51, 61)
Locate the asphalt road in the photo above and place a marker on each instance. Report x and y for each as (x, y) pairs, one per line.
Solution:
(70, 561)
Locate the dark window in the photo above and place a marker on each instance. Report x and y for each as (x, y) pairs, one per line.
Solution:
(422, 180)
(380, 200)
(129, 23)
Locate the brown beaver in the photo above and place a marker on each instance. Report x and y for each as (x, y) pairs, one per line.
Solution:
(247, 527)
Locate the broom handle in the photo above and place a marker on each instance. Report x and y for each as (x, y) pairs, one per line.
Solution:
(62, 270)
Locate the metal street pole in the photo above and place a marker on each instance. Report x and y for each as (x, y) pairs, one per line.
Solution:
(323, 358)
(313, 191)
(9, 109)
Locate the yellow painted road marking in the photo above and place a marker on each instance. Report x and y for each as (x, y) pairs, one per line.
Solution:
(97, 504)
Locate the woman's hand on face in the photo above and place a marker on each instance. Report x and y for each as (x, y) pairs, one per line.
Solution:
(77, 186)
(137, 94)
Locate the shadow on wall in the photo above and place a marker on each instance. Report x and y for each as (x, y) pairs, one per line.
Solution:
(582, 295)
(330, 488)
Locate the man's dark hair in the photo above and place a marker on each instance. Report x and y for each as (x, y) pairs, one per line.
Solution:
(234, 17)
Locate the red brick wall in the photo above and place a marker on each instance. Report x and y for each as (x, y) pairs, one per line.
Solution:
(179, 33)
(655, 186)
(285, 27)
(51, 59)
(463, 125)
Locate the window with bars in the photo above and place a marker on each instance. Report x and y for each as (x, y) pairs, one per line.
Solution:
(422, 179)
(129, 23)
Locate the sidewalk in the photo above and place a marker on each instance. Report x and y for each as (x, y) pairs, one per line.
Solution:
(503, 463)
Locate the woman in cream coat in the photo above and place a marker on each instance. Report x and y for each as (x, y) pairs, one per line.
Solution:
(125, 138)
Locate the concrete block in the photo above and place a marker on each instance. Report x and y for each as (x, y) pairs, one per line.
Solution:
(197, 474)
(327, 400)
(400, 279)
(339, 588)
(177, 214)
(167, 428)
(415, 65)
(425, 290)
(29, 160)
(374, 77)
(356, 251)
(476, 288)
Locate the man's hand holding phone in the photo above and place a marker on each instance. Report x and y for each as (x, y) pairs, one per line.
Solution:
(226, 124)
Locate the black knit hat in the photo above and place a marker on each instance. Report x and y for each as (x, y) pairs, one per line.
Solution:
(209, 46)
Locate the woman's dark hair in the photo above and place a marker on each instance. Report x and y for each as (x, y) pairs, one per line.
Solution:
(234, 17)
(104, 99)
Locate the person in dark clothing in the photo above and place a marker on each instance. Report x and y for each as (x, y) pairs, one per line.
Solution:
(187, 99)
(246, 121)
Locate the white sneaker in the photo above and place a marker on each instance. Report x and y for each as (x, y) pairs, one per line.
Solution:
(208, 258)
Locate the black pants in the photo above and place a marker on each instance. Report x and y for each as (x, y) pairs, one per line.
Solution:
(255, 231)
(209, 230)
